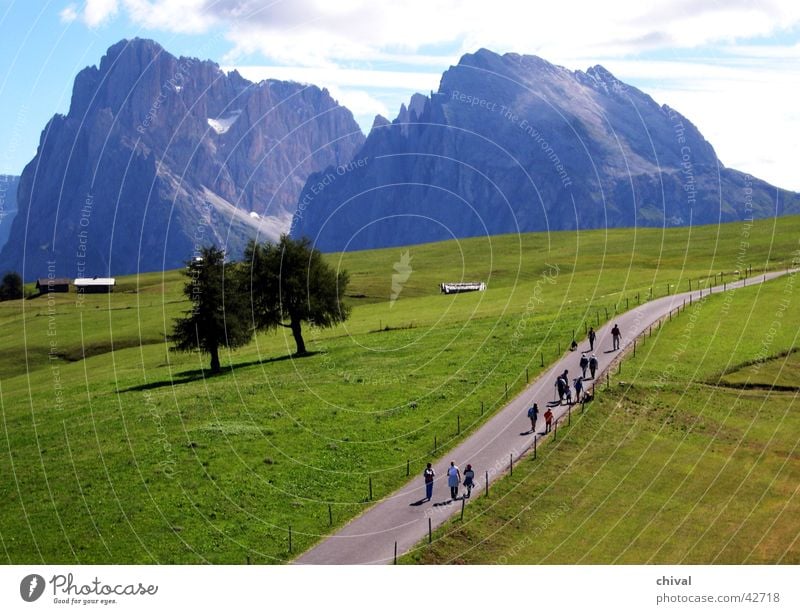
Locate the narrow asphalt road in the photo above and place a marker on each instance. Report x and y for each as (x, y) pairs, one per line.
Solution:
(400, 517)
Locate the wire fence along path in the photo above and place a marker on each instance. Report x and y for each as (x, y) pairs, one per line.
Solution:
(399, 521)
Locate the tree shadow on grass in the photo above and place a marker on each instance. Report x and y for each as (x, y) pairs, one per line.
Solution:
(192, 375)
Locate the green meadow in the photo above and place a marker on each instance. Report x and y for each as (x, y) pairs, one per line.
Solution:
(116, 450)
(691, 456)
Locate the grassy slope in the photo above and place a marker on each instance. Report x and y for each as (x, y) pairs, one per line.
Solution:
(147, 460)
(671, 465)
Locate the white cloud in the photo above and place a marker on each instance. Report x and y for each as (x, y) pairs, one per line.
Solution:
(321, 32)
(360, 102)
(97, 12)
(68, 14)
(748, 114)
(181, 16)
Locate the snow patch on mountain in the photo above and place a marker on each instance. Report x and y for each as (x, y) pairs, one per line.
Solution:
(221, 125)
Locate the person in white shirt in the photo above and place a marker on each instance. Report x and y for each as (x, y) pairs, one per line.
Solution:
(453, 479)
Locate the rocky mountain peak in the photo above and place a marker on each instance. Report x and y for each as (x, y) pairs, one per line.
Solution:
(169, 152)
(515, 143)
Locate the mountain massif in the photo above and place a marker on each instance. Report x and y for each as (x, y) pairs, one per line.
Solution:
(513, 143)
(159, 154)
(8, 205)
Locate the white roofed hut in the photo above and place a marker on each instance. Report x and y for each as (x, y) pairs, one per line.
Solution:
(95, 285)
(463, 286)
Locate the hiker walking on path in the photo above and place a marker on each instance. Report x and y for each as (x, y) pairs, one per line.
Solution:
(578, 383)
(548, 420)
(533, 414)
(615, 335)
(592, 365)
(469, 480)
(428, 474)
(583, 364)
(592, 336)
(453, 479)
(560, 386)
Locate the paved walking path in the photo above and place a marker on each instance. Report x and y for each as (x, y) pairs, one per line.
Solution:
(370, 538)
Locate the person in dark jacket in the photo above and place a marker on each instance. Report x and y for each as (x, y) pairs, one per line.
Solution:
(592, 336)
(584, 363)
(592, 365)
(560, 388)
(428, 474)
(469, 480)
(616, 336)
(578, 383)
(533, 414)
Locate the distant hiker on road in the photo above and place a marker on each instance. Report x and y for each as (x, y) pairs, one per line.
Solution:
(469, 480)
(592, 364)
(560, 388)
(533, 414)
(578, 383)
(615, 335)
(453, 479)
(592, 336)
(548, 420)
(584, 363)
(428, 474)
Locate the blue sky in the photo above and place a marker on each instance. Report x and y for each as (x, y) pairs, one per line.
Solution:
(732, 67)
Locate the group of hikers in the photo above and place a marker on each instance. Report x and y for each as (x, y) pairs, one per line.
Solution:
(454, 480)
(588, 361)
(563, 392)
